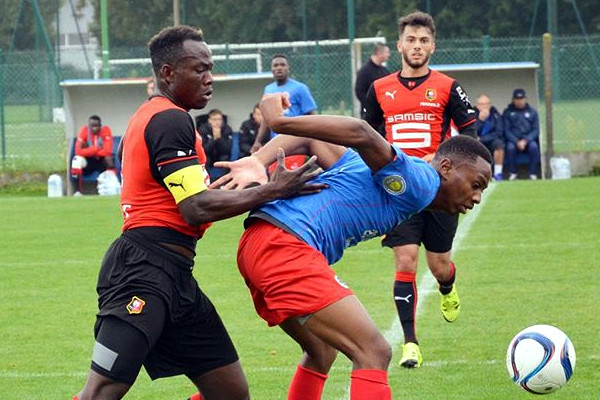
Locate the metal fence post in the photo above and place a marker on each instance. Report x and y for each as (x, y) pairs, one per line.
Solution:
(548, 97)
(2, 124)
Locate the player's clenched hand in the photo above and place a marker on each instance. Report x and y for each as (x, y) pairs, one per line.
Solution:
(242, 173)
(288, 182)
(273, 106)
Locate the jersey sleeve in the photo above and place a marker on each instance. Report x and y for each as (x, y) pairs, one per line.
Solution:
(462, 112)
(373, 111)
(107, 142)
(307, 102)
(171, 140)
(410, 182)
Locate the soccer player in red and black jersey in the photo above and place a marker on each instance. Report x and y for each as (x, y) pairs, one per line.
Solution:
(418, 105)
(152, 312)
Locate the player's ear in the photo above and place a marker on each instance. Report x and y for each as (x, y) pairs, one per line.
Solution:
(167, 72)
(444, 167)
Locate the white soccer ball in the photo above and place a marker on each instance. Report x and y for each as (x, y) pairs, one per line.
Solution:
(540, 359)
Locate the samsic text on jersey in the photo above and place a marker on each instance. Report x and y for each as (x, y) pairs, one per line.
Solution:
(418, 119)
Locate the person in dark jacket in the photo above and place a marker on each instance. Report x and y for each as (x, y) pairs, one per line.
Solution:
(248, 131)
(490, 131)
(372, 70)
(521, 132)
(217, 139)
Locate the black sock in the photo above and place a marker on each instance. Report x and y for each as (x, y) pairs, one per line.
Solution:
(405, 297)
(446, 287)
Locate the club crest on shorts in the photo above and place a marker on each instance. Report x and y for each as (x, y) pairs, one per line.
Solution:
(394, 184)
(136, 305)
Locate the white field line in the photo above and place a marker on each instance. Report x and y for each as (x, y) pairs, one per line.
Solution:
(15, 375)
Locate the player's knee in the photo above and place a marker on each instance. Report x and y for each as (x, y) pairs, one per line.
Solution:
(373, 354)
(405, 263)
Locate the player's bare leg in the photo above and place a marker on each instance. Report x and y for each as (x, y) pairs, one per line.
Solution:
(99, 387)
(442, 268)
(311, 373)
(346, 326)
(224, 383)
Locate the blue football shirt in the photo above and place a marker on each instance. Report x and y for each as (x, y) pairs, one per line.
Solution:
(358, 205)
(300, 97)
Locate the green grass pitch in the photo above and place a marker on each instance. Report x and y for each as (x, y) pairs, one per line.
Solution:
(531, 255)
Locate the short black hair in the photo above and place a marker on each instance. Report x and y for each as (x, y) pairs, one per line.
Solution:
(463, 148)
(417, 18)
(166, 46)
(280, 56)
(95, 118)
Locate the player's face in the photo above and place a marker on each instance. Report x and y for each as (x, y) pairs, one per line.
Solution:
(463, 185)
(190, 80)
(94, 126)
(280, 68)
(416, 45)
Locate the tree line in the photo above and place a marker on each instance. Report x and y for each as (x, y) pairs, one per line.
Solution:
(133, 22)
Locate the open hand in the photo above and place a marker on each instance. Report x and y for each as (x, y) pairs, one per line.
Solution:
(289, 182)
(242, 173)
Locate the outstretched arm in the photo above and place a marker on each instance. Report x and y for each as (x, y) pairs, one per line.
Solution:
(252, 169)
(345, 131)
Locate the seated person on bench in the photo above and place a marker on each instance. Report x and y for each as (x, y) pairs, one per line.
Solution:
(93, 151)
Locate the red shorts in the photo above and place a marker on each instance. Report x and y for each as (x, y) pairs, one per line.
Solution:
(290, 162)
(286, 276)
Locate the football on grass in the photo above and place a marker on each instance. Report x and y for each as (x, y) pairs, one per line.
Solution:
(540, 359)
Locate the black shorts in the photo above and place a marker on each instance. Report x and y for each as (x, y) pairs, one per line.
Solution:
(153, 290)
(435, 229)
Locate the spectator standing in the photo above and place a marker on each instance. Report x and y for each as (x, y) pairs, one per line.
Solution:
(217, 139)
(370, 71)
(522, 132)
(93, 151)
(249, 130)
(490, 132)
(301, 99)
(417, 105)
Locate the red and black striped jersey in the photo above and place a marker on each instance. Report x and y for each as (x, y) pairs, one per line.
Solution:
(418, 114)
(159, 140)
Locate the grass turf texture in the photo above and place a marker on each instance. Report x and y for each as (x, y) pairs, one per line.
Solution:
(530, 257)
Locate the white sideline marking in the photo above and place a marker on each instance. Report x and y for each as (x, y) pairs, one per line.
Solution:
(287, 370)
(427, 284)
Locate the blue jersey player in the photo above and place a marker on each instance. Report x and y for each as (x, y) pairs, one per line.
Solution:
(288, 246)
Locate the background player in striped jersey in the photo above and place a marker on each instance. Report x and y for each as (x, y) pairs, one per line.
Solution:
(418, 105)
(288, 246)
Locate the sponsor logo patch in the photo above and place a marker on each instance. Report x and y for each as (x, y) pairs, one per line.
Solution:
(136, 305)
(394, 184)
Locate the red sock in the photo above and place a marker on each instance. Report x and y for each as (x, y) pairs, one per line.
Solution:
(196, 396)
(75, 397)
(369, 384)
(306, 384)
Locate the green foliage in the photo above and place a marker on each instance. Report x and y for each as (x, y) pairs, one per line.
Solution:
(231, 21)
(529, 258)
(24, 28)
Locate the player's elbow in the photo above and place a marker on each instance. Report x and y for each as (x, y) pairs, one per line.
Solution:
(362, 134)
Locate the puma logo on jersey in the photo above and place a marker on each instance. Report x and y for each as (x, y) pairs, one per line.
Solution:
(406, 299)
(391, 94)
(180, 184)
